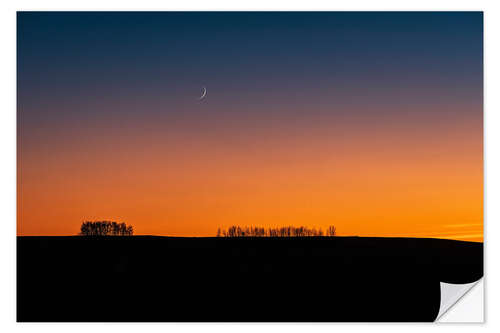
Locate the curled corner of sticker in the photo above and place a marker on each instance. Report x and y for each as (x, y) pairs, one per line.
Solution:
(451, 293)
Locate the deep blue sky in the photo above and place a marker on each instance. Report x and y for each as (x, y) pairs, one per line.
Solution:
(69, 55)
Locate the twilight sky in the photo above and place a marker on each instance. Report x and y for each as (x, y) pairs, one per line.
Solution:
(372, 122)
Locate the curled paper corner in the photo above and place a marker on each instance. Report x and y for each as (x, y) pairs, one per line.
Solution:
(451, 294)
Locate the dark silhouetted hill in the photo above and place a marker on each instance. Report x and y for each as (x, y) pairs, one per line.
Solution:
(147, 278)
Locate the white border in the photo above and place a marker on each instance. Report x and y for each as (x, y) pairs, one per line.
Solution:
(8, 151)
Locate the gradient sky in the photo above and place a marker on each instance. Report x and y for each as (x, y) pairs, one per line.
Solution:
(372, 122)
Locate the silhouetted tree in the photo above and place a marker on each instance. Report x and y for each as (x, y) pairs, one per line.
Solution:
(105, 228)
(289, 231)
(331, 231)
(130, 230)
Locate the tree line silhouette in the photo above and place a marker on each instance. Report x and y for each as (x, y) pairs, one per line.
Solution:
(105, 228)
(289, 231)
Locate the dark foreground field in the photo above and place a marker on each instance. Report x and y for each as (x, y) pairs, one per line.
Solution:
(144, 278)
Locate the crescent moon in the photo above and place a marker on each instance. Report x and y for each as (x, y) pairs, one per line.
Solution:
(204, 94)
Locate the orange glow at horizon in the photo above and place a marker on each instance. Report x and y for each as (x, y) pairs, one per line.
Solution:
(404, 181)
